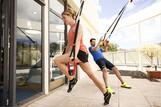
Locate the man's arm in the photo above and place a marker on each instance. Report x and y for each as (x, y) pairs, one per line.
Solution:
(105, 45)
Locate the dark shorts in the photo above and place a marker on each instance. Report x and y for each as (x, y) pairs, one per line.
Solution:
(102, 63)
(82, 56)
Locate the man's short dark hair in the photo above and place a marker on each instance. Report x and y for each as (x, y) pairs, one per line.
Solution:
(92, 39)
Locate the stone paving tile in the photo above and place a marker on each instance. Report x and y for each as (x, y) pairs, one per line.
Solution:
(144, 93)
(155, 101)
(51, 101)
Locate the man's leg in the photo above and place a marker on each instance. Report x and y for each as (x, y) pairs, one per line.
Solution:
(112, 67)
(117, 73)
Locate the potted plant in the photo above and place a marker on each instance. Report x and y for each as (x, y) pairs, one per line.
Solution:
(152, 51)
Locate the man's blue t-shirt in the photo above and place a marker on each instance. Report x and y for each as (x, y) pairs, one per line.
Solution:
(96, 54)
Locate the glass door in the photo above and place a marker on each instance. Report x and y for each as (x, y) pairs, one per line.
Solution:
(56, 42)
(28, 50)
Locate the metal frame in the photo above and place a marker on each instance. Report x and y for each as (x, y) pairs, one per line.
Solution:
(41, 2)
(1, 49)
(45, 48)
(12, 53)
(6, 54)
(9, 45)
(1, 52)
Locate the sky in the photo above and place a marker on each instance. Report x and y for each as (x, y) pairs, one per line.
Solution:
(108, 10)
(112, 7)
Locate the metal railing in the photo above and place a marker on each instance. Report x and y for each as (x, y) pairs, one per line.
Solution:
(131, 58)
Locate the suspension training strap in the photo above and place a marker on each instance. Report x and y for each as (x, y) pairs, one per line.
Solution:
(76, 30)
(76, 33)
(115, 22)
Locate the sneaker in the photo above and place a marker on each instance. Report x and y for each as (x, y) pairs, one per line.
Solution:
(110, 90)
(125, 85)
(107, 97)
(71, 84)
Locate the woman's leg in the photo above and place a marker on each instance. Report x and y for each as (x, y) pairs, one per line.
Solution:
(88, 70)
(61, 62)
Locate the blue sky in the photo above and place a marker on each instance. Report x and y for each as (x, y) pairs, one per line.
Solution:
(110, 8)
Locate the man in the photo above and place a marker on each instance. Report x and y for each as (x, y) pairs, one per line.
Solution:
(104, 64)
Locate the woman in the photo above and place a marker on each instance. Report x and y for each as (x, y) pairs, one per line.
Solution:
(81, 54)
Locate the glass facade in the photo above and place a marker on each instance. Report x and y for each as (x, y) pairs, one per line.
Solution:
(29, 74)
(28, 50)
(56, 42)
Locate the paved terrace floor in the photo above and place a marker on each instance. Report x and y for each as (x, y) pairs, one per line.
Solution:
(144, 93)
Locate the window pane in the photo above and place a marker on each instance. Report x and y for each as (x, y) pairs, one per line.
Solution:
(28, 72)
(56, 42)
(56, 6)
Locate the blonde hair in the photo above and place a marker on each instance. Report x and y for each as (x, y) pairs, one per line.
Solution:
(69, 12)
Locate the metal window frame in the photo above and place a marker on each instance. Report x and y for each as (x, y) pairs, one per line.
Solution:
(9, 89)
(41, 2)
(9, 65)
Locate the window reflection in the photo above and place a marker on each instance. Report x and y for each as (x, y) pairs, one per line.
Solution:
(28, 49)
(28, 54)
(56, 43)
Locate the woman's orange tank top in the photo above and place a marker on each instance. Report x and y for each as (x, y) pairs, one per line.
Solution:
(71, 36)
